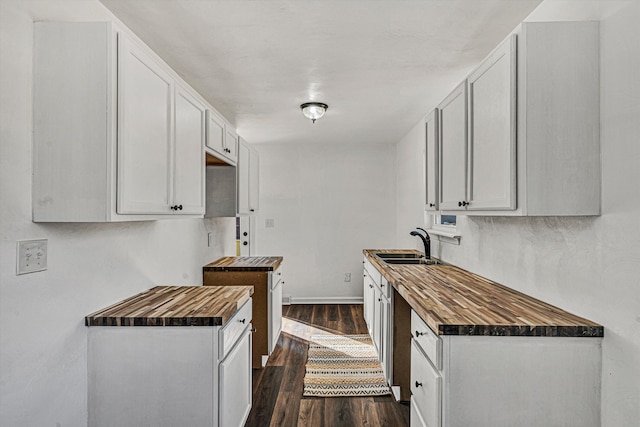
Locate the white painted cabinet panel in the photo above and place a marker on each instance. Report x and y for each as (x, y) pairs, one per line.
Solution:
(254, 180)
(145, 109)
(275, 307)
(488, 381)
(432, 160)
(492, 131)
(533, 145)
(222, 140)
(113, 152)
(189, 152)
(169, 375)
(235, 384)
(453, 149)
(244, 154)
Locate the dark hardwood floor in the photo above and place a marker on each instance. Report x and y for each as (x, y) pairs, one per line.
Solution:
(277, 389)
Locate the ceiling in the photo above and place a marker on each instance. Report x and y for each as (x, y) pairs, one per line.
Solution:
(379, 65)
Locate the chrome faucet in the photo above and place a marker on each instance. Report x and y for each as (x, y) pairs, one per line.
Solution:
(425, 239)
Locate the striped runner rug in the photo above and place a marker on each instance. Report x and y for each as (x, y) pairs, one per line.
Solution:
(343, 365)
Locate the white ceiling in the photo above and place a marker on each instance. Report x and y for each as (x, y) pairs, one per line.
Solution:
(380, 65)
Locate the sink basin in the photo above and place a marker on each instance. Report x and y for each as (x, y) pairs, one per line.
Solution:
(404, 255)
(421, 261)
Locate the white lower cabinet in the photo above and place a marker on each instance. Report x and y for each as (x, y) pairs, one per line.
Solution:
(275, 307)
(196, 376)
(235, 384)
(378, 310)
(501, 381)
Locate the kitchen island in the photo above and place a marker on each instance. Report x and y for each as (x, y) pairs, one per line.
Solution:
(479, 352)
(172, 355)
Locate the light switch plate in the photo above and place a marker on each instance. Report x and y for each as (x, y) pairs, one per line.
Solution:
(32, 256)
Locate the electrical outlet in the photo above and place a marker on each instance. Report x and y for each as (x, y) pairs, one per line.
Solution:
(347, 277)
(32, 256)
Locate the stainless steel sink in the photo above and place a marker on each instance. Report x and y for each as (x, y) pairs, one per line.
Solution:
(420, 261)
(404, 255)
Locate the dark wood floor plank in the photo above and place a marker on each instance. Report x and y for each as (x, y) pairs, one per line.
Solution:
(278, 388)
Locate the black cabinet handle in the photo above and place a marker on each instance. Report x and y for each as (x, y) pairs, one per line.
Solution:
(371, 286)
(242, 321)
(254, 330)
(180, 207)
(418, 384)
(420, 333)
(245, 243)
(245, 234)
(463, 203)
(432, 205)
(252, 210)
(380, 299)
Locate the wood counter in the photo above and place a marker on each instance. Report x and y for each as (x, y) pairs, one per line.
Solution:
(232, 263)
(174, 306)
(453, 301)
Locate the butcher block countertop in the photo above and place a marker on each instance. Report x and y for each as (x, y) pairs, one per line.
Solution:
(244, 263)
(175, 306)
(453, 301)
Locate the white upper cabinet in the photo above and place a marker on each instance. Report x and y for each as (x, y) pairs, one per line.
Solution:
(117, 135)
(254, 180)
(524, 138)
(492, 131)
(145, 132)
(453, 149)
(432, 161)
(189, 142)
(248, 181)
(222, 141)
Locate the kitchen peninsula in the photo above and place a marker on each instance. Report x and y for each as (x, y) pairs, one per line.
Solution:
(172, 355)
(475, 345)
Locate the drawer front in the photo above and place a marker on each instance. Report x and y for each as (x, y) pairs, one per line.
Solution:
(276, 277)
(428, 341)
(426, 387)
(230, 333)
(372, 271)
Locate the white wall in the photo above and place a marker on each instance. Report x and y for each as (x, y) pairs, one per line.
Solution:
(43, 379)
(328, 203)
(588, 266)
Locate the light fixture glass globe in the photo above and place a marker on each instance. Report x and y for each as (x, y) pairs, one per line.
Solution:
(314, 110)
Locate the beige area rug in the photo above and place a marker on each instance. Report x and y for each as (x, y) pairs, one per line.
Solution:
(343, 365)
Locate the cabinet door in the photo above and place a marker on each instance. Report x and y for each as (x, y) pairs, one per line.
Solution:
(431, 161)
(189, 153)
(492, 131)
(235, 384)
(243, 177)
(377, 320)
(275, 317)
(453, 149)
(231, 145)
(215, 133)
(254, 180)
(145, 103)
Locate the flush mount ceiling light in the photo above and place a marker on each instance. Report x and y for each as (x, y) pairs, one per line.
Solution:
(313, 110)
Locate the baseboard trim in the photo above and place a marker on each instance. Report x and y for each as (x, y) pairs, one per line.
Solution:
(326, 300)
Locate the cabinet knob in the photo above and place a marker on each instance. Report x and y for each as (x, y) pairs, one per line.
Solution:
(419, 333)
(242, 321)
(180, 207)
(432, 205)
(380, 299)
(252, 210)
(254, 330)
(371, 286)
(245, 243)
(418, 384)
(245, 234)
